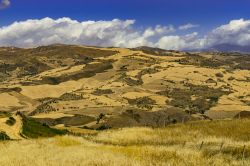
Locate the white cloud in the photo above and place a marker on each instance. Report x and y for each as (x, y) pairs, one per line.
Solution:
(158, 30)
(4, 4)
(237, 32)
(186, 42)
(64, 30)
(188, 26)
(119, 33)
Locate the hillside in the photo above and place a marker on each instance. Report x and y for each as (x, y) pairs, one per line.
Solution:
(19, 127)
(197, 143)
(79, 105)
(68, 86)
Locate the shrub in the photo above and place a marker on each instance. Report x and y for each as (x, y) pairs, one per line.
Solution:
(103, 127)
(99, 118)
(4, 136)
(231, 78)
(219, 75)
(11, 121)
(142, 102)
(206, 97)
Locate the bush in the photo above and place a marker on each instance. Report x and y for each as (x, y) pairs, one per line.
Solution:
(206, 97)
(99, 118)
(142, 102)
(4, 136)
(103, 127)
(214, 99)
(4, 114)
(11, 121)
(219, 75)
(231, 78)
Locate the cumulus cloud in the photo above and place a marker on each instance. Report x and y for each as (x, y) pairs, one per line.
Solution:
(237, 32)
(186, 42)
(118, 33)
(65, 30)
(158, 30)
(4, 4)
(188, 26)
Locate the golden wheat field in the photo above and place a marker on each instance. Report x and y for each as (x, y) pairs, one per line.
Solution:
(195, 143)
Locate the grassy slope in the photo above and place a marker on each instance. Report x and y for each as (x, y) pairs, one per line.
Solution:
(223, 144)
(33, 129)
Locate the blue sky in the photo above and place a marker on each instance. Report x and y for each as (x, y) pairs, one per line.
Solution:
(208, 14)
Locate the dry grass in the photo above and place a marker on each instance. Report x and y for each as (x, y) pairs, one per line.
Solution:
(67, 141)
(223, 144)
(235, 131)
(8, 100)
(13, 131)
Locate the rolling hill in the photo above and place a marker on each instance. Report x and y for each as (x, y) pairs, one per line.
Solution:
(79, 87)
(120, 106)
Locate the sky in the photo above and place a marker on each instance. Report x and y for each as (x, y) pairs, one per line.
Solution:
(168, 24)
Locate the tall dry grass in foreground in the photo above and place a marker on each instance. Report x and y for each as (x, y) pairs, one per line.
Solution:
(198, 143)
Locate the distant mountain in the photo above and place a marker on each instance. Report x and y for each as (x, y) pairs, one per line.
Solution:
(154, 51)
(229, 48)
(215, 48)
